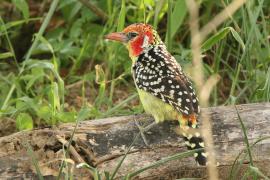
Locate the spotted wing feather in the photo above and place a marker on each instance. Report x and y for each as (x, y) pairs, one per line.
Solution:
(158, 73)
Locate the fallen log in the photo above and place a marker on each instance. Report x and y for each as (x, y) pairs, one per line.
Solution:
(102, 143)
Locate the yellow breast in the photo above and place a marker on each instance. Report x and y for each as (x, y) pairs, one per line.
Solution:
(157, 108)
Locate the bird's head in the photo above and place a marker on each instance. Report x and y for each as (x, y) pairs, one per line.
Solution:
(137, 38)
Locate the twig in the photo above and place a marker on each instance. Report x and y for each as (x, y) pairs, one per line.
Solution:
(74, 85)
(88, 151)
(206, 88)
(108, 158)
(72, 150)
(221, 17)
(199, 81)
(95, 9)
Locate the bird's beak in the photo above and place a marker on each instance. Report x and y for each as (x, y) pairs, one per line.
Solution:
(117, 36)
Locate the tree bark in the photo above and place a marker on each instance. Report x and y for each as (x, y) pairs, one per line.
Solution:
(102, 143)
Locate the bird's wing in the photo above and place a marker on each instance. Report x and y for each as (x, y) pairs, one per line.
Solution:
(167, 82)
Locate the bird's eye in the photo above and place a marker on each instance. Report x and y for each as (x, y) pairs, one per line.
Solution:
(132, 35)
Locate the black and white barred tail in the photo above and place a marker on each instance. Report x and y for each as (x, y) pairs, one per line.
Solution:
(196, 142)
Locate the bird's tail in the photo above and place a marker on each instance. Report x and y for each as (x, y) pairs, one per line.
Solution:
(194, 140)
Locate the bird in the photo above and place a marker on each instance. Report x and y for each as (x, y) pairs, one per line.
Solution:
(164, 90)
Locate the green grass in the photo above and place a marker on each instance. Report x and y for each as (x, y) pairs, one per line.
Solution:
(34, 87)
(238, 52)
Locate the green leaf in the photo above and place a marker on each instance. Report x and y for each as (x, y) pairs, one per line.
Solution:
(46, 43)
(5, 55)
(238, 38)
(122, 16)
(16, 23)
(25, 102)
(24, 121)
(64, 3)
(23, 7)
(44, 112)
(76, 29)
(51, 67)
(36, 76)
(208, 44)
(53, 97)
(178, 15)
(107, 175)
(75, 9)
(258, 172)
(158, 7)
(83, 114)
(66, 116)
(168, 38)
(215, 38)
(101, 81)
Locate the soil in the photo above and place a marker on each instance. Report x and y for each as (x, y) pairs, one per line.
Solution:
(7, 126)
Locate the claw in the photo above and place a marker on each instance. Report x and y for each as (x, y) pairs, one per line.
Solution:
(144, 129)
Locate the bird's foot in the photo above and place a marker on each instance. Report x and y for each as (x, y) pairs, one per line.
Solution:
(143, 130)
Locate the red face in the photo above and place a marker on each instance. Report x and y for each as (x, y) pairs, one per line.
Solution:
(136, 37)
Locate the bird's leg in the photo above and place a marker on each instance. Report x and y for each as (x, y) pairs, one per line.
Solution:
(183, 123)
(145, 129)
(150, 126)
(192, 137)
(192, 122)
(141, 129)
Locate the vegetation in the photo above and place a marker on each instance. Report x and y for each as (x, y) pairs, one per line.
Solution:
(55, 64)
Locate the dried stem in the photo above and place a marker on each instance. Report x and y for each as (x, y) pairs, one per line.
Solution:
(205, 88)
(221, 17)
(199, 81)
(100, 13)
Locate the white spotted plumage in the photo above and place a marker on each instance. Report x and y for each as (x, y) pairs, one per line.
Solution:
(158, 73)
(164, 90)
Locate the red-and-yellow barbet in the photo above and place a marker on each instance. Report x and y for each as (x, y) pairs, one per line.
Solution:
(164, 90)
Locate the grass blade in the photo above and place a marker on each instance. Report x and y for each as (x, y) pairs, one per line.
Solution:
(41, 31)
(33, 46)
(178, 15)
(23, 7)
(215, 38)
(82, 115)
(257, 171)
(31, 154)
(124, 157)
(163, 161)
(208, 44)
(122, 16)
(238, 38)
(245, 137)
(94, 172)
(234, 172)
(169, 27)
(6, 55)
(119, 105)
(158, 7)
